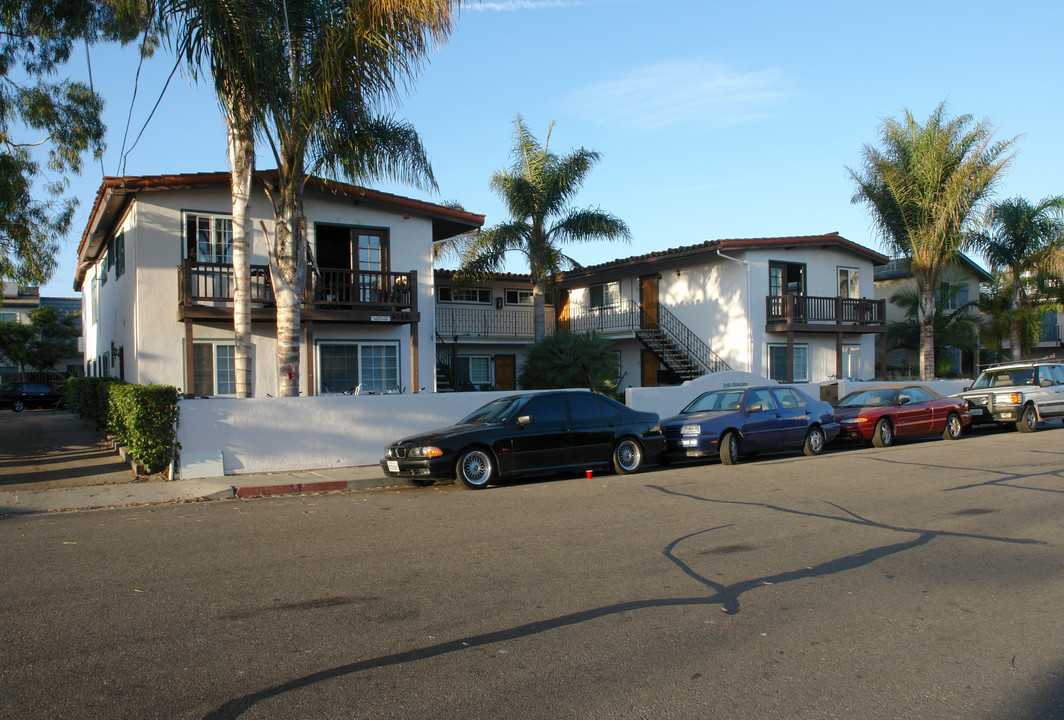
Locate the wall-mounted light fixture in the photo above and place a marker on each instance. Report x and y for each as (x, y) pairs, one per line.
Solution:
(114, 354)
(498, 303)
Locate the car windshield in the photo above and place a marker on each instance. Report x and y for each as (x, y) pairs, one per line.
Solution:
(499, 410)
(1004, 378)
(716, 400)
(868, 398)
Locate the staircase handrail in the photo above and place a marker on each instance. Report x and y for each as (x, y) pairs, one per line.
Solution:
(703, 355)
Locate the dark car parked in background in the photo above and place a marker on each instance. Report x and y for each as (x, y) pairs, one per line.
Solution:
(19, 396)
(533, 434)
(738, 421)
(881, 414)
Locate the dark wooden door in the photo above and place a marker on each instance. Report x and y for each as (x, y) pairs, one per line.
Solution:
(506, 372)
(648, 298)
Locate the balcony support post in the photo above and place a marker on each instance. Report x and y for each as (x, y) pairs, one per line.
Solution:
(415, 369)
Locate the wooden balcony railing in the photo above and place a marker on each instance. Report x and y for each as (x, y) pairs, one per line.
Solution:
(488, 322)
(202, 283)
(806, 309)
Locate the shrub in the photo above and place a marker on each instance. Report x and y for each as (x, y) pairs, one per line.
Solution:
(142, 417)
(570, 360)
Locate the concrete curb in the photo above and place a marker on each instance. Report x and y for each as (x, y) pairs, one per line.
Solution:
(158, 493)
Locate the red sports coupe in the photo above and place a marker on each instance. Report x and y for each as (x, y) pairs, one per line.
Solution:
(881, 414)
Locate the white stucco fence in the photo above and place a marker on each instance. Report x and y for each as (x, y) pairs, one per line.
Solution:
(256, 435)
(227, 436)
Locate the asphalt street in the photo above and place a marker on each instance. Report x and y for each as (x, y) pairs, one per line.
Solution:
(920, 581)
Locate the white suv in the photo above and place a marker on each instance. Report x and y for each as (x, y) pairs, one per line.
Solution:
(1018, 392)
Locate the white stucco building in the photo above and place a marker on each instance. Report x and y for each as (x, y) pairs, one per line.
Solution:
(794, 309)
(155, 273)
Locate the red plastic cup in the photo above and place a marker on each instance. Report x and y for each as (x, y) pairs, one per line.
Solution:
(588, 474)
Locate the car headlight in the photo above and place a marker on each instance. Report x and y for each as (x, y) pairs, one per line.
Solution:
(425, 452)
(858, 420)
(690, 430)
(1009, 399)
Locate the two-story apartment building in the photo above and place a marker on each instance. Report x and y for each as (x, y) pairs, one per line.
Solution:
(156, 276)
(897, 276)
(794, 309)
(483, 330)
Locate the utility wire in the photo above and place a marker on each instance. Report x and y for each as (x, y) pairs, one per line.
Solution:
(150, 115)
(92, 89)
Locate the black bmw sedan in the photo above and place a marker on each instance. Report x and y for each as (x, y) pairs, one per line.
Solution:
(534, 434)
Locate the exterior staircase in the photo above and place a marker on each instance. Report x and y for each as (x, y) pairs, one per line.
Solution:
(676, 347)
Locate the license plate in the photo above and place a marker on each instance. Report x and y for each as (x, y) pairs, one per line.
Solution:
(975, 411)
(393, 466)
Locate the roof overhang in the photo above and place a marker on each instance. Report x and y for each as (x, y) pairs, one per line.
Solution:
(115, 193)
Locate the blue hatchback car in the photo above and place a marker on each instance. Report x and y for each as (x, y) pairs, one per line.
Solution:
(737, 421)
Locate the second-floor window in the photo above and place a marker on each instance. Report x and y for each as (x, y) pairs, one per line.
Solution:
(118, 252)
(849, 287)
(605, 295)
(786, 279)
(518, 297)
(464, 295)
(209, 238)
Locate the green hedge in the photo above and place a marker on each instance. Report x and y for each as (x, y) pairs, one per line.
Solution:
(142, 417)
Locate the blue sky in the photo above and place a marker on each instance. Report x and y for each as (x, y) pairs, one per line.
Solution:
(714, 120)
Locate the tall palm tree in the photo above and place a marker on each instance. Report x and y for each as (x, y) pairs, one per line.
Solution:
(307, 75)
(344, 58)
(227, 37)
(958, 328)
(1023, 240)
(923, 187)
(537, 190)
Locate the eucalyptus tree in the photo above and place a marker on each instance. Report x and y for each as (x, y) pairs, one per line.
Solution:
(1024, 240)
(537, 190)
(40, 109)
(923, 187)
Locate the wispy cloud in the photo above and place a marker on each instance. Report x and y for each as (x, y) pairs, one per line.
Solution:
(682, 92)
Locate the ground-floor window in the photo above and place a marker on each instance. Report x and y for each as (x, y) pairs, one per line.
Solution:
(851, 361)
(777, 363)
(344, 366)
(213, 369)
(475, 369)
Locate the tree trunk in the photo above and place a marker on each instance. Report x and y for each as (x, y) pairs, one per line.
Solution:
(242, 167)
(1015, 346)
(288, 268)
(539, 308)
(927, 333)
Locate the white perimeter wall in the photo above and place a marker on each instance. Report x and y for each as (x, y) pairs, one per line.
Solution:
(257, 435)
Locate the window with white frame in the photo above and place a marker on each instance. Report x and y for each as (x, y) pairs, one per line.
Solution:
(213, 369)
(849, 285)
(343, 366)
(209, 238)
(777, 363)
(518, 297)
(464, 295)
(604, 295)
(851, 361)
(9, 317)
(956, 295)
(475, 369)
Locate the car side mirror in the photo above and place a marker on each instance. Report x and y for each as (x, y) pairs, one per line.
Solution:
(524, 420)
(756, 407)
(904, 401)
(966, 388)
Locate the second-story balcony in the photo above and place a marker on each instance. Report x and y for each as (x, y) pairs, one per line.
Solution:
(511, 323)
(809, 314)
(205, 291)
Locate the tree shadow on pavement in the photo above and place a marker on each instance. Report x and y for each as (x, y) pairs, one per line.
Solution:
(727, 596)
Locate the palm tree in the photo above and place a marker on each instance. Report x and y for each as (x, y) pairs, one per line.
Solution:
(1002, 319)
(1024, 240)
(226, 35)
(537, 190)
(306, 75)
(958, 328)
(923, 188)
(343, 58)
